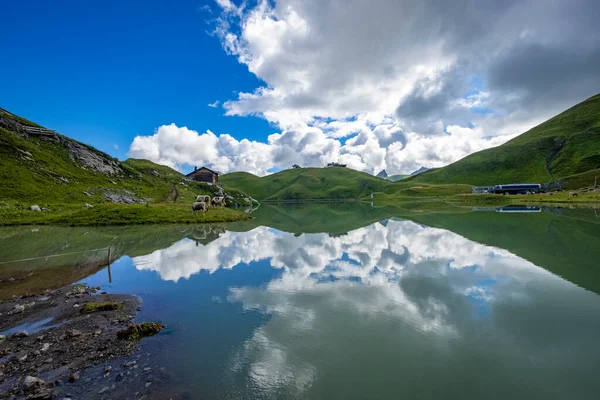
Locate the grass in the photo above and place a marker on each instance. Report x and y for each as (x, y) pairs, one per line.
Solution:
(139, 331)
(114, 214)
(42, 171)
(306, 183)
(103, 306)
(565, 145)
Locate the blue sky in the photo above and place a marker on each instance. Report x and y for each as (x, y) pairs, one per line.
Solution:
(106, 72)
(374, 85)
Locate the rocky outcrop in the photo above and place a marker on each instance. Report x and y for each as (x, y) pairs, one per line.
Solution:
(90, 158)
(95, 161)
(126, 197)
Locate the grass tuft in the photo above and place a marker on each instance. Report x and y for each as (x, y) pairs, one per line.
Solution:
(104, 306)
(139, 331)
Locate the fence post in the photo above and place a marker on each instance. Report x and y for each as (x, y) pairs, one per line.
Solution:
(109, 272)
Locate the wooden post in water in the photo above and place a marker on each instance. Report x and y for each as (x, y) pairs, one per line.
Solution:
(109, 273)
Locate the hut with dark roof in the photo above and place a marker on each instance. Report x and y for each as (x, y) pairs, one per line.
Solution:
(204, 175)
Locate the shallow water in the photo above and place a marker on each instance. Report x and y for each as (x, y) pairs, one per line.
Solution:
(476, 304)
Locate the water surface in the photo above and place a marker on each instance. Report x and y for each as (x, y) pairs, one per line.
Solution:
(431, 304)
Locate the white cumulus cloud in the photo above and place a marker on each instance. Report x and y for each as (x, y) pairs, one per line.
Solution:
(394, 84)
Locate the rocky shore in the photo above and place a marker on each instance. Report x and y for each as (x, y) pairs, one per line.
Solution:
(73, 343)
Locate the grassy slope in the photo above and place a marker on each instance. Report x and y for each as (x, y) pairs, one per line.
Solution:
(562, 146)
(307, 183)
(35, 170)
(395, 178)
(332, 184)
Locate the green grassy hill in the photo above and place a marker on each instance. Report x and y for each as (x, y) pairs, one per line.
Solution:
(563, 146)
(395, 178)
(307, 183)
(42, 167)
(333, 184)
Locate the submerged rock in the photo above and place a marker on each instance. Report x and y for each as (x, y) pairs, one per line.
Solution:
(138, 331)
(20, 334)
(31, 384)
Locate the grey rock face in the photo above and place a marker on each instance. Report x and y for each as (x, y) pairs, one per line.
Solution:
(125, 198)
(93, 160)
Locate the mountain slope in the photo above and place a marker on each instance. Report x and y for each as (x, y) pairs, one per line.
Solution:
(41, 166)
(306, 183)
(565, 145)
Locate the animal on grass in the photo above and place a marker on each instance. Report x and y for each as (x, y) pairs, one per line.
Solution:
(197, 206)
(205, 198)
(218, 201)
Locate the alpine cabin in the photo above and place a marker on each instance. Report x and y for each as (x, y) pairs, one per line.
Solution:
(204, 175)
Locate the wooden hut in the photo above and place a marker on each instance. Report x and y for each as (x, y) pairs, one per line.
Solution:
(204, 175)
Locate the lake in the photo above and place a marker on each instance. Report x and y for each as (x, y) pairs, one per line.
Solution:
(348, 301)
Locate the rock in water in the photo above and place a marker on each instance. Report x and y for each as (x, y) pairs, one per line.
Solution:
(74, 377)
(32, 384)
(35, 208)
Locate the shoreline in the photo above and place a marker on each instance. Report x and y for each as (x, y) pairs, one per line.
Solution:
(114, 215)
(65, 343)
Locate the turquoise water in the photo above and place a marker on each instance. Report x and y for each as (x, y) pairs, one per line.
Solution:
(394, 309)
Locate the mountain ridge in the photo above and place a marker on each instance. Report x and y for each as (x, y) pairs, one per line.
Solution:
(565, 145)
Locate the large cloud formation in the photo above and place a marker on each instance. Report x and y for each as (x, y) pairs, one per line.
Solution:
(391, 84)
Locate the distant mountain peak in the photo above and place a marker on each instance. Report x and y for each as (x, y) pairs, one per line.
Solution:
(420, 170)
(382, 174)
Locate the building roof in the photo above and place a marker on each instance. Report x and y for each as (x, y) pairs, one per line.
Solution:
(208, 169)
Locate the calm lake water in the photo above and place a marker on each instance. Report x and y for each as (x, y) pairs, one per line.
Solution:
(344, 301)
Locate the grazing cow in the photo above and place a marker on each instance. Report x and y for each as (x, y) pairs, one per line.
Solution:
(197, 206)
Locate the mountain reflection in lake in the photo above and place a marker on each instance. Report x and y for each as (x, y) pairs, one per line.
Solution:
(394, 309)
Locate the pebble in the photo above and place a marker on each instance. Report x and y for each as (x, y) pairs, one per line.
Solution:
(103, 390)
(148, 384)
(45, 347)
(48, 360)
(23, 358)
(20, 334)
(18, 309)
(73, 333)
(74, 376)
(37, 353)
(147, 369)
(31, 383)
